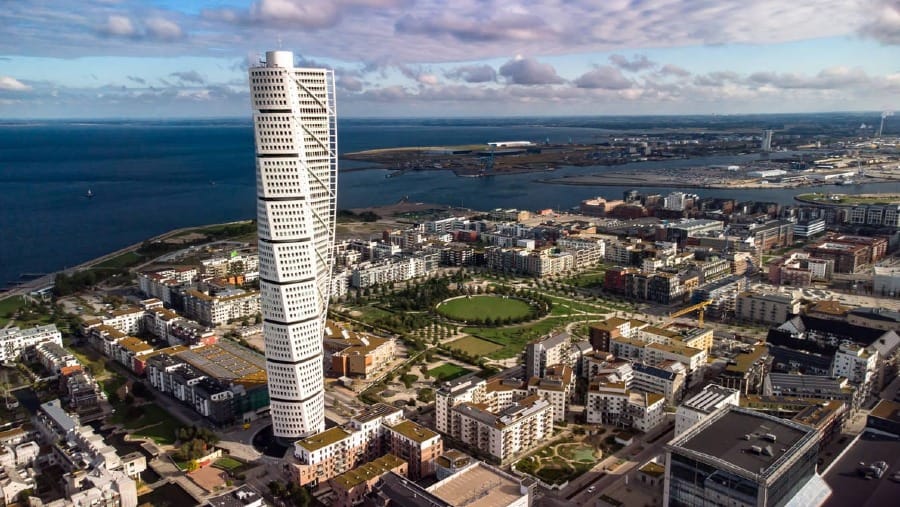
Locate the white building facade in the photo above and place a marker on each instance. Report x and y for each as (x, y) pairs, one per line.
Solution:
(295, 128)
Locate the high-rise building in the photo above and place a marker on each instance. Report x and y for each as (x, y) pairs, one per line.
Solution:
(295, 127)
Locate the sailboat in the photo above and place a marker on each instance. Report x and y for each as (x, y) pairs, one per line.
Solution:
(89, 194)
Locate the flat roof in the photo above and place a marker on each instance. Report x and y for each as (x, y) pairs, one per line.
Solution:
(887, 410)
(368, 471)
(478, 486)
(374, 412)
(226, 361)
(323, 439)
(723, 437)
(849, 489)
(413, 431)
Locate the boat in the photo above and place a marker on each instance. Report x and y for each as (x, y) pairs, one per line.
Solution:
(89, 194)
(847, 181)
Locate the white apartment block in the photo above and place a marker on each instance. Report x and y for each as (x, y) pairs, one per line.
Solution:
(855, 363)
(127, 320)
(387, 271)
(498, 417)
(245, 264)
(614, 404)
(546, 351)
(13, 340)
(698, 407)
(766, 308)
(295, 129)
(656, 353)
(221, 308)
(54, 357)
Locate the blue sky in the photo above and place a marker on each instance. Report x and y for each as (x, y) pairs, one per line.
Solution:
(168, 58)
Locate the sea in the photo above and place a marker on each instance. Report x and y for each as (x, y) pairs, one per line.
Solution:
(149, 177)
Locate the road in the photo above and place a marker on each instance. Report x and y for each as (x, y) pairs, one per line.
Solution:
(603, 479)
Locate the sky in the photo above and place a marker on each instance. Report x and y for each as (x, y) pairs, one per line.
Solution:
(453, 58)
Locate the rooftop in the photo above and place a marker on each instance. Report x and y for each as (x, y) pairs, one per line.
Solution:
(323, 439)
(413, 431)
(709, 398)
(849, 489)
(733, 435)
(887, 410)
(375, 411)
(244, 495)
(478, 486)
(226, 361)
(368, 471)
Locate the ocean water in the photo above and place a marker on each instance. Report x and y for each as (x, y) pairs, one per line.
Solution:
(151, 177)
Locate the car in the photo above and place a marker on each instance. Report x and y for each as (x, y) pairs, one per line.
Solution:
(592, 489)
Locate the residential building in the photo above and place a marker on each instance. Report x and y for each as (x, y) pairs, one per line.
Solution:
(54, 357)
(875, 318)
(614, 404)
(350, 488)
(746, 372)
(847, 257)
(295, 127)
(809, 228)
(701, 405)
(766, 308)
(375, 432)
(242, 496)
(812, 387)
(669, 382)
(14, 341)
(857, 364)
(545, 351)
(221, 308)
(772, 462)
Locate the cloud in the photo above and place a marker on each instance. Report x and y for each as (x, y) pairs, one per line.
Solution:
(349, 83)
(604, 77)
(673, 70)
(528, 71)
(189, 76)
(163, 29)
(310, 14)
(636, 64)
(503, 27)
(827, 79)
(118, 26)
(12, 84)
(135, 79)
(473, 73)
(883, 24)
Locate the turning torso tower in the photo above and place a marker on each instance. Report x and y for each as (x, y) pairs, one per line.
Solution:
(294, 123)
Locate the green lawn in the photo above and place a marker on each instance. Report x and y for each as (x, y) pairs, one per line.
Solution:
(448, 371)
(228, 463)
(482, 307)
(126, 260)
(473, 346)
(515, 338)
(154, 422)
(8, 307)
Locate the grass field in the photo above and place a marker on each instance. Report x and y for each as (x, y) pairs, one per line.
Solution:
(8, 307)
(125, 260)
(514, 338)
(482, 307)
(475, 347)
(448, 371)
(154, 423)
(228, 463)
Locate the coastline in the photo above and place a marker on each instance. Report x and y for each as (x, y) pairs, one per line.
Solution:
(47, 279)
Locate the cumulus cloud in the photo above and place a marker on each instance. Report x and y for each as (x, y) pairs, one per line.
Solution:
(830, 78)
(636, 64)
(528, 71)
(118, 26)
(504, 26)
(883, 24)
(473, 73)
(189, 76)
(12, 84)
(604, 77)
(673, 70)
(349, 83)
(163, 29)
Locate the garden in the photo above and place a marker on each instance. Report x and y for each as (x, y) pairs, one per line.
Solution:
(560, 462)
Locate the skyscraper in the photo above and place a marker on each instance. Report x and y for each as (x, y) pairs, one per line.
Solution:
(295, 127)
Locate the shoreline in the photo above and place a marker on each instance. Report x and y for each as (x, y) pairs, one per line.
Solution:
(48, 278)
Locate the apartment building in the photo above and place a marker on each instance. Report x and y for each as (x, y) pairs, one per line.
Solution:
(222, 307)
(614, 404)
(14, 341)
(766, 308)
(545, 351)
(668, 381)
(376, 431)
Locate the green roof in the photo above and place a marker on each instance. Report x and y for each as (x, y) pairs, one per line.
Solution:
(413, 431)
(323, 439)
(368, 471)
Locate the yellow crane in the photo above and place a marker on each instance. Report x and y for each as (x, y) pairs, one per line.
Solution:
(699, 308)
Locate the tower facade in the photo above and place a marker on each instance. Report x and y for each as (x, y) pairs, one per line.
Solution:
(294, 123)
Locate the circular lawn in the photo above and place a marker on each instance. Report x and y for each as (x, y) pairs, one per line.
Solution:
(476, 308)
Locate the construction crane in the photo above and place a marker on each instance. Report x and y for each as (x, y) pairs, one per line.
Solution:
(699, 308)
